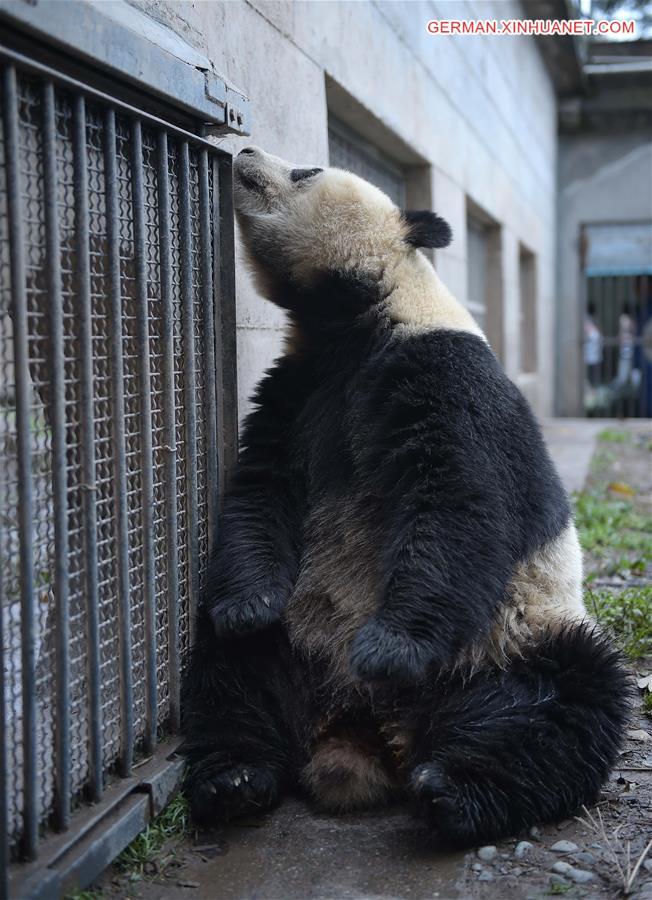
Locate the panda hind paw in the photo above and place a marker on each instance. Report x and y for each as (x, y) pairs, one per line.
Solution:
(452, 818)
(232, 793)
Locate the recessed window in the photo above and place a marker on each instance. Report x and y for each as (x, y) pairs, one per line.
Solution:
(347, 150)
(528, 310)
(476, 245)
(484, 296)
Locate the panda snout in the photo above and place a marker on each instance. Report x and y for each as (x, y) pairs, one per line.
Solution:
(247, 151)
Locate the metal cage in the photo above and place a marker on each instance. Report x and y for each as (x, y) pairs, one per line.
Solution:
(116, 424)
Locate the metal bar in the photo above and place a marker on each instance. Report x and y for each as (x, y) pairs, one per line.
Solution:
(23, 440)
(4, 774)
(59, 476)
(208, 322)
(27, 64)
(146, 454)
(87, 438)
(169, 427)
(219, 359)
(225, 318)
(69, 861)
(119, 451)
(190, 390)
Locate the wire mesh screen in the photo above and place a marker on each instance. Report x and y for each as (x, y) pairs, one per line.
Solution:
(109, 232)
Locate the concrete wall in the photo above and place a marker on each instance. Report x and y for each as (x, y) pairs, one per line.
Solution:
(477, 113)
(601, 179)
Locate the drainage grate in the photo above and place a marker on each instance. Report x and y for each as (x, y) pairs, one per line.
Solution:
(115, 261)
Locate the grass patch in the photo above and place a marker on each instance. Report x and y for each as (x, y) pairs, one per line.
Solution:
(84, 895)
(615, 436)
(647, 704)
(628, 615)
(609, 525)
(144, 851)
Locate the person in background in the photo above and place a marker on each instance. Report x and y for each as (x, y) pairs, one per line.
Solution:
(593, 346)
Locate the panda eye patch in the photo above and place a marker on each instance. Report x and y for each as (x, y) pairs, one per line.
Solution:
(302, 174)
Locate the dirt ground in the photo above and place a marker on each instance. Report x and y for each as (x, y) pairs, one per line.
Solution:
(293, 853)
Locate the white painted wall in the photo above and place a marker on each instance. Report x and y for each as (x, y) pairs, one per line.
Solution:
(481, 111)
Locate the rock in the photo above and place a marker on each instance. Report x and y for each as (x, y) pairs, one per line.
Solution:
(522, 848)
(584, 857)
(558, 881)
(476, 867)
(517, 870)
(562, 868)
(579, 876)
(485, 875)
(535, 833)
(486, 854)
(648, 865)
(564, 847)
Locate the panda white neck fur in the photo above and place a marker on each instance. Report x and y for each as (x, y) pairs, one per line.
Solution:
(418, 301)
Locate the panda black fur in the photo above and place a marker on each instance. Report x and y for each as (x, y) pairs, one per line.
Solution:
(394, 606)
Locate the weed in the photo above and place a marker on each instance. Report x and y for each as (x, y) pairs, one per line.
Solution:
(143, 852)
(619, 852)
(558, 888)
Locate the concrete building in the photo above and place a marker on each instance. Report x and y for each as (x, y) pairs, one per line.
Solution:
(604, 239)
(465, 125)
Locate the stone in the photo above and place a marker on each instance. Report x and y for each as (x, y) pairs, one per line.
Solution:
(580, 876)
(562, 868)
(585, 857)
(535, 833)
(486, 854)
(485, 875)
(564, 847)
(476, 867)
(522, 848)
(517, 870)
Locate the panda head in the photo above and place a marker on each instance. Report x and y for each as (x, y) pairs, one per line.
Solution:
(306, 227)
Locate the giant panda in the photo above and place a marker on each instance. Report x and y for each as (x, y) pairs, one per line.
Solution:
(394, 606)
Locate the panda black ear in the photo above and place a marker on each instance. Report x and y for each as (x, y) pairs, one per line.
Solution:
(426, 229)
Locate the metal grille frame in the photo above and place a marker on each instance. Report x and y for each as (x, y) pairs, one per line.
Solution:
(117, 429)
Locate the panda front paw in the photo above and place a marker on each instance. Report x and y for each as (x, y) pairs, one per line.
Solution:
(382, 653)
(242, 615)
